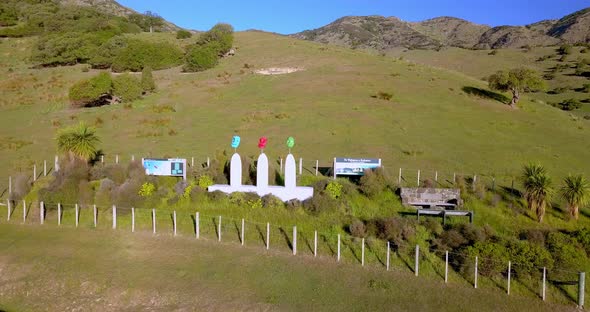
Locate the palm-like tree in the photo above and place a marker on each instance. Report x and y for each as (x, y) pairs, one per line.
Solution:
(78, 141)
(576, 192)
(538, 190)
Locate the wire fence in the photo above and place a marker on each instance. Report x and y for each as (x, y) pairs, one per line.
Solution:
(553, 284)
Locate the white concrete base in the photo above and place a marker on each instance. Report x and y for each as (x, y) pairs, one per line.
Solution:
(285, 194)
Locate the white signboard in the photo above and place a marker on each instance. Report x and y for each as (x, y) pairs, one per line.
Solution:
(354, 166)
(172, 167)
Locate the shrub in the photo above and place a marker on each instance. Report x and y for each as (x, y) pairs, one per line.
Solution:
(200, 58)
(21, 187)
(372, 182)
(565, 49)
(204, 181)
(586, 88)
(493, 257)
(319, 203)
(138, 54)
(396, 230)
(334, 189)
(583, 237)
(493, 52)
(220, 37)
(272, 202)
(569, 105)
(91, 92)
(528, 258)
(147, 80)
(384, 96)
(127, 87)
(147, 189)
(183, 34)
(566, 251)
(358, 229)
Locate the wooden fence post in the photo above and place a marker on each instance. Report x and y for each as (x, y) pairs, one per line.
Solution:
(416, 264)
(294, 240)
(154, 221)
(95, 215)
(56, 164)
(58, 214)
(399, 177)
(34, 172)
(132, 157)
(281, 167)
(132, 219)
(42, 212)
(242, 234)
(387, 257)
(363, 252)
(418, 180)
(208, 163)
(475, 274)
(24, 211)
(114, 217)
(10, 185)
(509, 273)
(45, 168)
(315, 243)
(544, 279)
(102, 159)
(77, 218)
(446, 266)
(454, 177)
(197, 229)
(219, 230)
(174, 221)
(581, 289)
(8, 208)
(317, 164)
(117, 158)
(300, 166)
(338, 256)
(436, 176)
(192, 161)
(268, 234)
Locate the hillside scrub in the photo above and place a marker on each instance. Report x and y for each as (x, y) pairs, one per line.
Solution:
(210, 46)
(137, 54)
(516, 81)
(103, 89)
(183, 34)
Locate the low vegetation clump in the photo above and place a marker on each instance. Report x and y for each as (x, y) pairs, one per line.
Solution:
(183, 34)
(104, 89)
(210, 46)
(568, 104)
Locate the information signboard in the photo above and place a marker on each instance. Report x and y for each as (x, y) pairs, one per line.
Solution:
(172, 167)
(354, 166)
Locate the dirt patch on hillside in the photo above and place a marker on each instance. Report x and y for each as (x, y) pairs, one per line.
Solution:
(278, 70)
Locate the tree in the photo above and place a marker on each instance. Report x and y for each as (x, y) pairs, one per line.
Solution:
(91, 92)
(78, 142)
(201, 57)
(538, 190)
(516, 80)
(576, 192)
(153, 20)
(147, 80)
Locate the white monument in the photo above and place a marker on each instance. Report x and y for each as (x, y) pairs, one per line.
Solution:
(285, 193)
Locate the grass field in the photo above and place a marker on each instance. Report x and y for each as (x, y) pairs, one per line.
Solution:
(50, 268)
(430, 124)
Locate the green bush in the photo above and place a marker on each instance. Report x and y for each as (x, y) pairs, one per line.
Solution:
(568, 105)
(200, 58)
(493, 257)
(220, 37)
(138, 54)
(183, 34)
(334, 189)
(147, 189)
(528, 257)
(272, 202)
(565, 49)
(127, 87)
(147, 80)
(204, 181)
(566, 251)
(357, 229)
(89, 92)
(8, 14)
(586, 88)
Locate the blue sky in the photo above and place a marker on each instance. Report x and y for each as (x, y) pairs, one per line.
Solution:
(287, 16)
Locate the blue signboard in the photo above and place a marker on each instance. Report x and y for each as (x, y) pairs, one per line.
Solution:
(173, 167)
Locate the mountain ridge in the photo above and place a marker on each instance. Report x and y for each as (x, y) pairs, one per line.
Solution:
(382, 33)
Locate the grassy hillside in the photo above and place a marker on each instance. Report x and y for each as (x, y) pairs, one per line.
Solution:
(430, 123)
(48, 268)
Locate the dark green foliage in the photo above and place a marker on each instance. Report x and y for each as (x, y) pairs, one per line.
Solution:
(127, 87)
(183, 34)
(568, 105)
(565, 49)
(358, 229)
(272, 202)
(8, 14)
(20, 188)
(586, 88)
(583, 237)
(65, 187)
(91, 92)
(211, 45)
(201, 57)
(528, 258)
(147, 80)
(138, 54)
(493, 257)
(567, 251)
(103, 58)
(148, 22)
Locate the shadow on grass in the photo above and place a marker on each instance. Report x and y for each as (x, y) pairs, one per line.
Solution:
(287, 239)
(327, 242)
(374, 251)
(486, 94)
